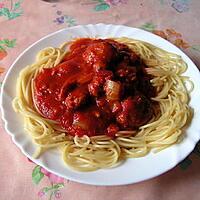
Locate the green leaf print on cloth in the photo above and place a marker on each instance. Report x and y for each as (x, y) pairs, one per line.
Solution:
(12, 10)
(56, 183)
(4, 45)
(37, 175)
(149, 26)
(103, 5)
(196, 47)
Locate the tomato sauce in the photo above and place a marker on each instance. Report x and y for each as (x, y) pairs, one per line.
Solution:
(100, 87)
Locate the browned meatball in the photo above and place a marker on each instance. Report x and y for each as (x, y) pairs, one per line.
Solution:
(99, 55)
(136, 111)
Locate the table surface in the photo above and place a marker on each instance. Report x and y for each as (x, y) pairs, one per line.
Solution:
(23, 22)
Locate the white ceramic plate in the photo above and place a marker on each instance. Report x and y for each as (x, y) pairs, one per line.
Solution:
(133, 170)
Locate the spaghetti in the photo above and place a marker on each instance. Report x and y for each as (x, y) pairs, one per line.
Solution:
(89, 153)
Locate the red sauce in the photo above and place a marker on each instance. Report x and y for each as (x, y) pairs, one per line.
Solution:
(100, 87)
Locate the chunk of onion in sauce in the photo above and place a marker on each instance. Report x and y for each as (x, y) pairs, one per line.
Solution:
(112, 89)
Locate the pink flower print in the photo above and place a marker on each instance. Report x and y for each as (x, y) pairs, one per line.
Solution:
(55, 179)
(58, 194)
(45, 172)
(115, 2)
(1, 5)
(52, 177)
(41, 193)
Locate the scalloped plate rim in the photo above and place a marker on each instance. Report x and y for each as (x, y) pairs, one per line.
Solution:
(92, 182)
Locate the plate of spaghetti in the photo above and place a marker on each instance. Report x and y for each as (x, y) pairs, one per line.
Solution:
(103, 104)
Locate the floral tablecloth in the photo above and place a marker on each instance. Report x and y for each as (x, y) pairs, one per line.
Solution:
(23, 22)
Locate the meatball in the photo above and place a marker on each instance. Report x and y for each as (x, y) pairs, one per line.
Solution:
(99, 55)
(87, 122)
(77, 97)
(136, 111)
